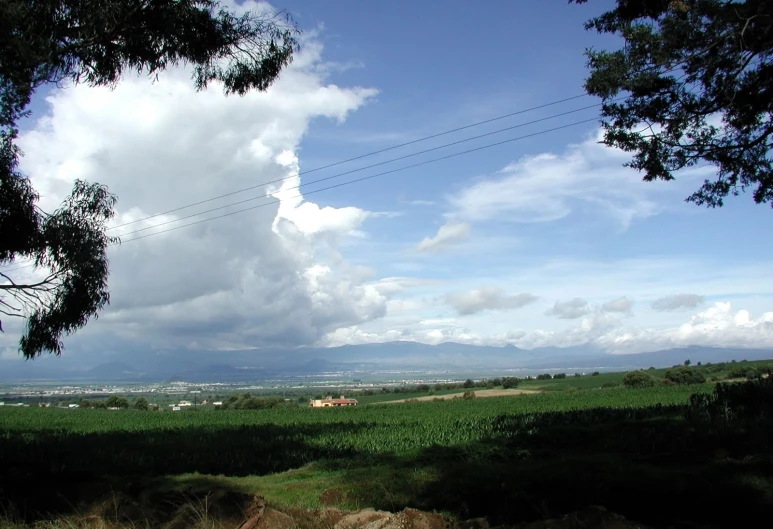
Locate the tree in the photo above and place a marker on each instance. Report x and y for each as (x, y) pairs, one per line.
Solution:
(509, 382)
(81, 41)
(468, 383)
(696, 78)
(141, 404)
(684, 375)
(638, 379)
(114, 401)
(687, 363)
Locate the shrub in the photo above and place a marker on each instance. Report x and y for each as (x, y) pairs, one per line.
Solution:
(141, 404)
(468, 383)
(545, 376)
(468, 395)
(114, 401)
(595, 374)
(559, 375)
(684, 375)
(638, 379)
(510, 382)
(743, 372)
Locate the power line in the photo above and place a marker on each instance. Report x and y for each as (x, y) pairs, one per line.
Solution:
(339, 185)
(425, 138)
(365, 178)
(450, 131)
(520, 125)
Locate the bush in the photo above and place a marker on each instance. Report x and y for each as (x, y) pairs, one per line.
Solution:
(559, 375)
(141, 404)
(638, 379)
(595, 374)
(510, 382)
(545, 376)
(684, 375)
(468, 395)
(468, 383)
(114, 401)
(743, 372)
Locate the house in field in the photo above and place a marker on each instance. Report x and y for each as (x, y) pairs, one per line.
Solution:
(329, 402)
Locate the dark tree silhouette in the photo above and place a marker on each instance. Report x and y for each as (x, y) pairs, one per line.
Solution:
(95, 42)
(696, 79)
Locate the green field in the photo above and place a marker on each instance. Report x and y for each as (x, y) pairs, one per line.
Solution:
(510, 459)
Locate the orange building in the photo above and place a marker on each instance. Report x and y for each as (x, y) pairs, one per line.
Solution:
(329, 402)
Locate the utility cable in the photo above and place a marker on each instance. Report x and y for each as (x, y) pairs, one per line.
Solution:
(363, 179)
(520, 125)
(412, 142)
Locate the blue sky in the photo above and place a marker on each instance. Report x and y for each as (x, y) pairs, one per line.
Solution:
(543, 241)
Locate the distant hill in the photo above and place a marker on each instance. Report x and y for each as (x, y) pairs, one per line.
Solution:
(451, 358)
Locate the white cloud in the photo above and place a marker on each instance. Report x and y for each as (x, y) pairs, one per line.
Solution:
(487, 298)
(447, 234)
(622, 304)
(271, 276)
(570, 309)
(677, 301)
(717, 326)
(549, 187)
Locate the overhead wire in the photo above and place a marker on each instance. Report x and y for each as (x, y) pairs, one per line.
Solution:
(360, 157)
(373, 153)
(276, 201)
(392, 160)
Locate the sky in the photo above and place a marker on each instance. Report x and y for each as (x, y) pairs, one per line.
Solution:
(545, 240)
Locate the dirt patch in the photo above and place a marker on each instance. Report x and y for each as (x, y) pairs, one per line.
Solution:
(332, 497)
(589, 518)
(478, 393)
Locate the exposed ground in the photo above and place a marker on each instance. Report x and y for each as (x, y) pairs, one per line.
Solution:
(225, 509)
(478, 393)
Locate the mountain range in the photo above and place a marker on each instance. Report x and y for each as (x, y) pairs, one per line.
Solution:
(400, 357)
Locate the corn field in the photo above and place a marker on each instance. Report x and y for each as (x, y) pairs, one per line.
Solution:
(239, 442)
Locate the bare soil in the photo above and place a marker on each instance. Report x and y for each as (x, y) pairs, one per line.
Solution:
(478, 393)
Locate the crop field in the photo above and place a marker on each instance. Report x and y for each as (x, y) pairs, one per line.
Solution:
(241, 441)
(510, 458)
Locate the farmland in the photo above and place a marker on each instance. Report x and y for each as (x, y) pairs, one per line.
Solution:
(508, 458)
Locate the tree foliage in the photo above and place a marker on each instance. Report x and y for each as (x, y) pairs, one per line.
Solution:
(638, 379)
(247, 401)
(685, 375)
(95, 42)
(510, 382)
(114, 401)
(696, 78)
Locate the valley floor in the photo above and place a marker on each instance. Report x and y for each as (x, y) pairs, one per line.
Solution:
(664, 456)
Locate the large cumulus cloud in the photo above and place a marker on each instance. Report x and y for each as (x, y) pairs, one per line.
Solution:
(271, 276)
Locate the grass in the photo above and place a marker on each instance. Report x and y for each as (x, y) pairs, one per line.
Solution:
(387, 397)
(511, 459)
(573, 383)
